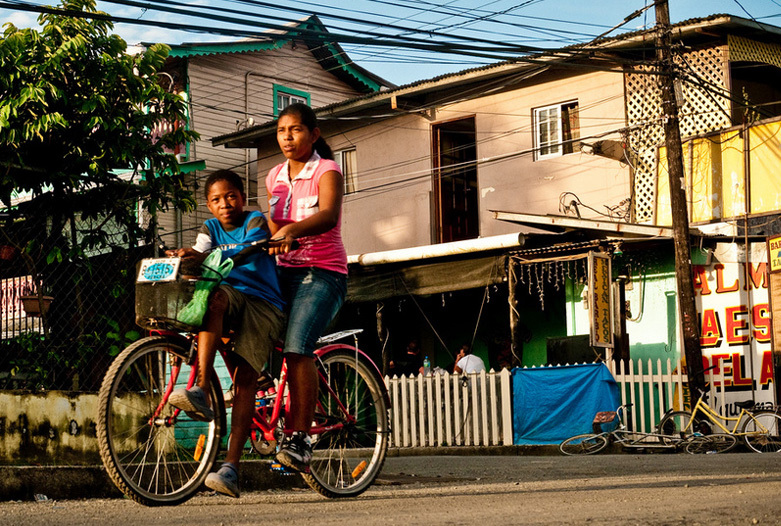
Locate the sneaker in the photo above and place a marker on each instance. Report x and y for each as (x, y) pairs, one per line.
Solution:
(296, 452)
(225, 480)
(193, 402)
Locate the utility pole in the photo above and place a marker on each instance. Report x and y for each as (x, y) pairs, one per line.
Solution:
(680, 215)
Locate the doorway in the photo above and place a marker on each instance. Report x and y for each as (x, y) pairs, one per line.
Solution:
(455, 181)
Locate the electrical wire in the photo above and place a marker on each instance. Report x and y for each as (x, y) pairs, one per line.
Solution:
(489, 49)
(469, 45)
(405, 42)
(166, 6)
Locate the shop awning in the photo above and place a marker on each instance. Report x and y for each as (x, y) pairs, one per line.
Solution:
(430, 269)
(421, 278)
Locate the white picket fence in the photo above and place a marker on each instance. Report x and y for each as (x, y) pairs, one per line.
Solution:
(653, 387)
(453, 410)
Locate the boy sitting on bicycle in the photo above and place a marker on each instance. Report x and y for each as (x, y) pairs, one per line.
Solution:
(248, 301)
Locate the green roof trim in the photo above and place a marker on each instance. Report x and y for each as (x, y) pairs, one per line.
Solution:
(311, 30)
(225, 47)
(192, 166)
(184, 168)
(338, 55)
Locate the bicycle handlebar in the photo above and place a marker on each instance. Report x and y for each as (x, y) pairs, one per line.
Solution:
(256, 245)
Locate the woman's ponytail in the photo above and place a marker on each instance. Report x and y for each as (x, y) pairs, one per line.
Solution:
(322, 149)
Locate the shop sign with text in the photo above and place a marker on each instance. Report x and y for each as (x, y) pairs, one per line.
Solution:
(732, 300)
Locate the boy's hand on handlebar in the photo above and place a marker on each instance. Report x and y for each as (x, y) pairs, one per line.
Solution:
(186, 253)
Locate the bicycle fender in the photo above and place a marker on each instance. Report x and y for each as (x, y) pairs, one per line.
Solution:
(322, 351)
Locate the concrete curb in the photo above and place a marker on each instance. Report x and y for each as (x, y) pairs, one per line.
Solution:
(83, 482)
(86, 482)
(535, 450)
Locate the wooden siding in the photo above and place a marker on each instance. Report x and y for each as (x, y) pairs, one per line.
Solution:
(226, 89)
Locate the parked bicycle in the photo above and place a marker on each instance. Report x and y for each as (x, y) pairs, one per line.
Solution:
(618, 433)
(157, 455)
(759, 429)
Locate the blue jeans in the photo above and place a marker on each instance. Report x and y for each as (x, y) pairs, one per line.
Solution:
(314, 296)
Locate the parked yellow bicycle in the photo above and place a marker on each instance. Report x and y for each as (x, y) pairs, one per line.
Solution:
(760, 429)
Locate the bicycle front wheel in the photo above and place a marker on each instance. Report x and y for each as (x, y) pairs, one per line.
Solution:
(587, 444)
(154, 453)
(350, 432)
(762, 432)
(718, 443)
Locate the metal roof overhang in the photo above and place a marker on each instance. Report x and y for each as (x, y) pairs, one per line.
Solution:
(562, 224)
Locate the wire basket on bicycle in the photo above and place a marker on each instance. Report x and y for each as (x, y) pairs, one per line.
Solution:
(167, 287)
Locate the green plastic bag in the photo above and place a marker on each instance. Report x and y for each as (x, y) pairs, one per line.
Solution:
(214, 270)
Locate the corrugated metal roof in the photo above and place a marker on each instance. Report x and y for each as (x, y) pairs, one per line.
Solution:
(601, 43)
(217, 48)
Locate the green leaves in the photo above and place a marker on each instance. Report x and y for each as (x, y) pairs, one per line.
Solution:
(117, 339)
(55, 254)
(72, 117)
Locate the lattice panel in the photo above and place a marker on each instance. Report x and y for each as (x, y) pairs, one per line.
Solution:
(747, 50)
(643, 108)
(705, 109)
(702, 111)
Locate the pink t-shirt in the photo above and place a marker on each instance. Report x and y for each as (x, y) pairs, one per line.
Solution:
(294, 201)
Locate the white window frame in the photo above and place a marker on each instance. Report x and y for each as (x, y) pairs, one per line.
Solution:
(288, 99)
(285, 96)
(351, 174)
(547, 141)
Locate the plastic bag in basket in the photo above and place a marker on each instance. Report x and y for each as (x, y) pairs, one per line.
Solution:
(213, 272)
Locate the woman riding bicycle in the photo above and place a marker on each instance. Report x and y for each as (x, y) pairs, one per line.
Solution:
(305, 202)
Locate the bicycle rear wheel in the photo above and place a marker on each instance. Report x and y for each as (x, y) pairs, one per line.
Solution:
(673, 426)
(587, 444)
(718, 443)
(351, 428)
(155, 454)
(762, 432)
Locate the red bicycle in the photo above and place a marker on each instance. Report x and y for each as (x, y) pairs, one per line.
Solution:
(157, 455)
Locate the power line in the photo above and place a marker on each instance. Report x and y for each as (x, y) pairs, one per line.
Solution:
(469, 46)
(398, 40)
(405, 42)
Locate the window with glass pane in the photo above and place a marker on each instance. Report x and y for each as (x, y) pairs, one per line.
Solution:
(346, 159)
(286, 99)
(556, 128)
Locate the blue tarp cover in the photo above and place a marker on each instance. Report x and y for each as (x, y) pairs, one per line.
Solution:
(551, 404)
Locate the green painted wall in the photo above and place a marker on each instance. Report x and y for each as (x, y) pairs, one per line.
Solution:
(652, 297)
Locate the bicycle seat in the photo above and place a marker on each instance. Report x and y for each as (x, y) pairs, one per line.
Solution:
(746, 404)
(604, 417)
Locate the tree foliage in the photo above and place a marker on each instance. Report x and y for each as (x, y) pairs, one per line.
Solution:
(75, 111)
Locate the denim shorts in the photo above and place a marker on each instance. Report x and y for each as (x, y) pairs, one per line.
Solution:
(314, 296)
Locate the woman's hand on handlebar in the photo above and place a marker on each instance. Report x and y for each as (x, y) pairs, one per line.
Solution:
(282, 243)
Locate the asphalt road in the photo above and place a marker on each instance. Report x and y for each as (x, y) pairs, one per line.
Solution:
(654, 489)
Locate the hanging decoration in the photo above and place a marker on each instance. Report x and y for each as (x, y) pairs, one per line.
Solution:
(537, 274)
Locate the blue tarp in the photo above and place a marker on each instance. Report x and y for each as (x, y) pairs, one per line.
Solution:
(551, 404)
